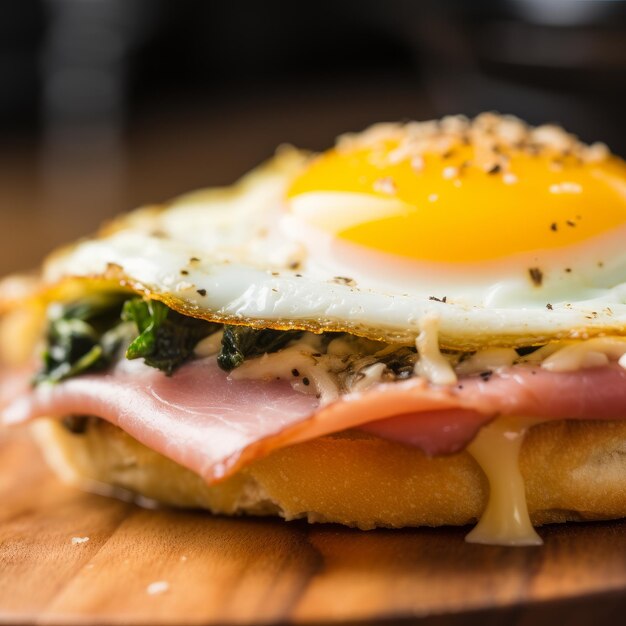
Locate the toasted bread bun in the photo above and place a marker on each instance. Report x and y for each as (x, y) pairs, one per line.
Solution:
(573, 470)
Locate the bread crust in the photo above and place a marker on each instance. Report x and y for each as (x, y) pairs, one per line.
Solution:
(573, 471)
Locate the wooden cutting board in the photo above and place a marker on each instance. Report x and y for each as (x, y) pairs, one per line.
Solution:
(168, 567)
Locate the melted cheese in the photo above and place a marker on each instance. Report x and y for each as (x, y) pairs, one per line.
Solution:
(489, 359)
(370, 376)
(505, 520)
(308, 373)
(595, 352)
(432, 365)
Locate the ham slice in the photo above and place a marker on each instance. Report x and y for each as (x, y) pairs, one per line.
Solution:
(213, 425)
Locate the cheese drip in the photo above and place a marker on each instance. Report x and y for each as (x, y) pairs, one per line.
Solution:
(432, 365)
(505, 520)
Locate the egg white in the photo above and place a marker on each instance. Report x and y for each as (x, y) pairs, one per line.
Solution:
(231, 255)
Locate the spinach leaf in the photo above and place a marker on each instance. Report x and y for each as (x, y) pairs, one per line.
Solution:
(166, 338)
(148, 317)
(82, 336)
(242, 342)
(87, 335)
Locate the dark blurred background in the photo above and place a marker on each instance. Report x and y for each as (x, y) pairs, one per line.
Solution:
(107, 104)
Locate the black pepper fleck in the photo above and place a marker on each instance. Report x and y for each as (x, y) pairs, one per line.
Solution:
(295, 372)
(549, 307)
(202, 292)
(554, 227)
(184, 272)
(536, 275)
(306, 381)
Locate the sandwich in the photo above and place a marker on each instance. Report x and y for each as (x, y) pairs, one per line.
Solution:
(424, 325)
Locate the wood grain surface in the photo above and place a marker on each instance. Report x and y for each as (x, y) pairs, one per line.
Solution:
(217, 570)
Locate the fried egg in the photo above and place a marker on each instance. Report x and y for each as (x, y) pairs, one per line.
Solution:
(509, 235)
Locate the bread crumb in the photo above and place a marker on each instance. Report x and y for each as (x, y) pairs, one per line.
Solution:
(385, 185)
(157, 588)
(183, 285)
(495, 138)
(417, 163)
(450, 172)
(566, 187)
(78, 540)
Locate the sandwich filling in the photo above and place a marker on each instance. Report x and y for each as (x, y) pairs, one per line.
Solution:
(216, 397)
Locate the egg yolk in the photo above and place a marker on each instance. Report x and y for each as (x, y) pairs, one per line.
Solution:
(441, 207)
